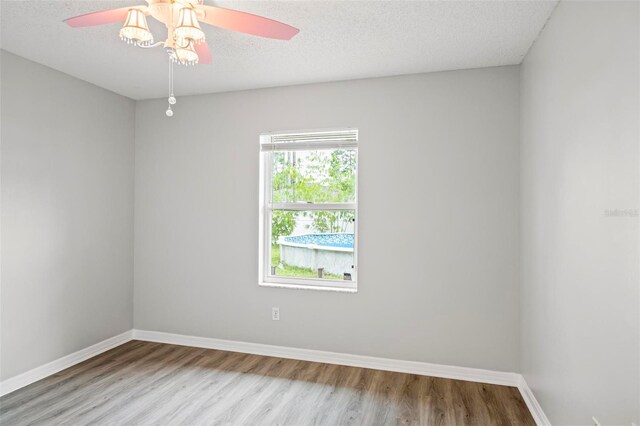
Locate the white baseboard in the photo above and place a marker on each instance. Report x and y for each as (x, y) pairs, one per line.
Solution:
(363, 361)
(38, 373)
(532, 403)
(413, 367)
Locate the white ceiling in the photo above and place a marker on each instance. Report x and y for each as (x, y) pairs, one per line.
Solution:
(338, 40)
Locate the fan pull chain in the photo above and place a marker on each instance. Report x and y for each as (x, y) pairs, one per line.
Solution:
(171, 99)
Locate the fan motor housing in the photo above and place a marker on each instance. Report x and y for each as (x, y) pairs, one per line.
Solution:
(168, 11)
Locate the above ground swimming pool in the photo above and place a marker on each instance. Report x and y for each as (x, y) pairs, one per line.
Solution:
(332, 252)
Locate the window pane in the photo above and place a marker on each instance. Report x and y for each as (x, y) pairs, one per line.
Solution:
(319, 176)
(312, 244)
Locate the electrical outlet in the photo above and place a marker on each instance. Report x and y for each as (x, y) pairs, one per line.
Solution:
(595, 421)
(275, 313)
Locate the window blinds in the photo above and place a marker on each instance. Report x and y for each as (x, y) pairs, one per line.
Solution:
(340, 139)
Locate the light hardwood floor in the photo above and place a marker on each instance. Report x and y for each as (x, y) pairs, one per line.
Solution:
(152, 383)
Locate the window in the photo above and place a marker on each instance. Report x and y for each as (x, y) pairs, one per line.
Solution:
(309, 209)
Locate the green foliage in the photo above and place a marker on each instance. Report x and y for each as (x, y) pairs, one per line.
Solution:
(342, 174)
(331, 221)
(323, 177)
(340, 184)
(283, 222)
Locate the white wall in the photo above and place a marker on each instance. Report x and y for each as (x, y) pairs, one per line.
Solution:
(580, 136)
(439, 218)
(67, 214)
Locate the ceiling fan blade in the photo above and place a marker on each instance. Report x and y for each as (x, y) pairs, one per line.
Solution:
(246, 23)
(204, 54)
(99, 18)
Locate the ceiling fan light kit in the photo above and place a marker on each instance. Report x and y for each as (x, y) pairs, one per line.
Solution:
(185, 42)
(188, 27)
(184, 55)
(135, 29)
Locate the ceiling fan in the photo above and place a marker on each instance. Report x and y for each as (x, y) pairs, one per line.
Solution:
(185, 40)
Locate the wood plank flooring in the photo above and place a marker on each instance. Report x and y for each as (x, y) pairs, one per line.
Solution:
(151, 383)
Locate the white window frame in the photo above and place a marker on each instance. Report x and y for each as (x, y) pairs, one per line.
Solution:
(302, 140)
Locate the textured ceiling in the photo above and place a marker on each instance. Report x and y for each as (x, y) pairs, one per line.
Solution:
(338, 40)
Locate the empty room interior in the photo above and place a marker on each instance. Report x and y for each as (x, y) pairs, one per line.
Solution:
(328, 212)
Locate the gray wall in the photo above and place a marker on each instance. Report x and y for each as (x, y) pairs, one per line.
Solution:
(580, 294)
(67, 214)
(439, 218)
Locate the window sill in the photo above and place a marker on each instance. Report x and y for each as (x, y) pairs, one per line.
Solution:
(308, 287)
